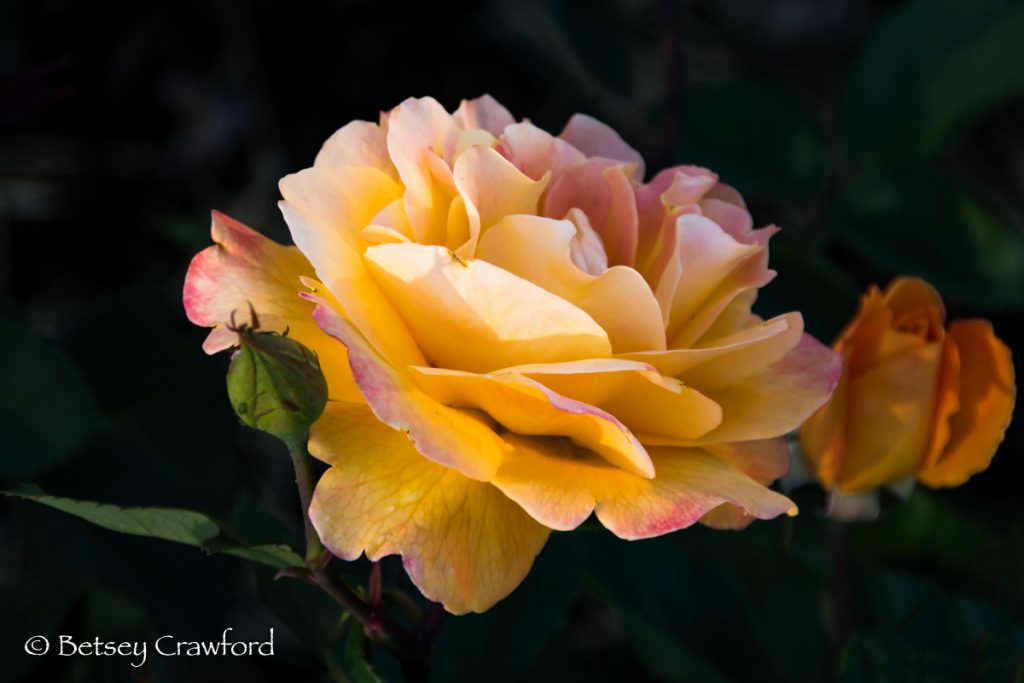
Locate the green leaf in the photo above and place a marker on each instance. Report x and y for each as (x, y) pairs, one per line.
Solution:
(169, 524)
(51, 413)
(930, 224)
(180, 526)
(276, 555)
(929, 71)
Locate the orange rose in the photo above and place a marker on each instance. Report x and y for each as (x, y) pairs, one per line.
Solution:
(915, 400)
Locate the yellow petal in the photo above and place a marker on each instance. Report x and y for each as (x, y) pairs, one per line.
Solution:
(708, 259)
(341, 200)
(756, 345)
(778, 400)
(619, 300)
(359, 143)
(420, 133)
(335, 251)
(463, 543)
(987, 395)
(649, 404)
(477, 317)
(763, 461)
(560, 487)
(524, 406)
(491, 188)
(445, 435)
(245, 268)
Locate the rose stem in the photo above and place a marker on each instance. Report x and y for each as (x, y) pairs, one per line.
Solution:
(376, 625)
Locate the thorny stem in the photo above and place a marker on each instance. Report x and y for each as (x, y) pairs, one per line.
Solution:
(411, 646)
(305, 480)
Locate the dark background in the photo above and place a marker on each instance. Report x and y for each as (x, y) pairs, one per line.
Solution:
(884, 137)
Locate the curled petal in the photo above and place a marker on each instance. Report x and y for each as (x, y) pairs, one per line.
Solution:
(484, 113)
(763, 461)
(778, 400)
(536, 152)
(462, 542)
(987, 395)
(359, 143)
(421, 133)
(619, 300)
(604, 193)
(651, 405)
(709, 259)
(596, 139)
(245, 269)
(491, 188)
(549, 479)
(445, 435)
(339, 265)
(498, 319)
(525, 406)
(758, 341)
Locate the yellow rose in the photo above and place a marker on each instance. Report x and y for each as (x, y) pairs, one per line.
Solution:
(915, 400)
(518, 332)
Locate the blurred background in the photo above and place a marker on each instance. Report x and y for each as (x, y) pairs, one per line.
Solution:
(884, 137)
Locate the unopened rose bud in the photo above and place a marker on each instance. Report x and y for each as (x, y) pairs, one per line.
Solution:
(275, 383)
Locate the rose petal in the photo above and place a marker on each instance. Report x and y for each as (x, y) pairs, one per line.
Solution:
(445, 435)
(245, 268)
(779, 399)
(619, 300)
(483, 113)
(763, 461)
(604, 193)
(675, 362)
(359, 143)
(420, 130)
(708, 258)
(343, 200)
(524, 406)
(334, 248)
(649, 404)
(536, 152)
(492, 188)
(463, 543)
(596, 139)
(888, 417)
(560, 489)
(498, 319)
(987, 395)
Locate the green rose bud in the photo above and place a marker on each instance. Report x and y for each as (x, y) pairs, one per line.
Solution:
(275, 383)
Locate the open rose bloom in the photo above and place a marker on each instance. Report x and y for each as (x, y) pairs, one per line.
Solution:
(916, 401)
(518, 332)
